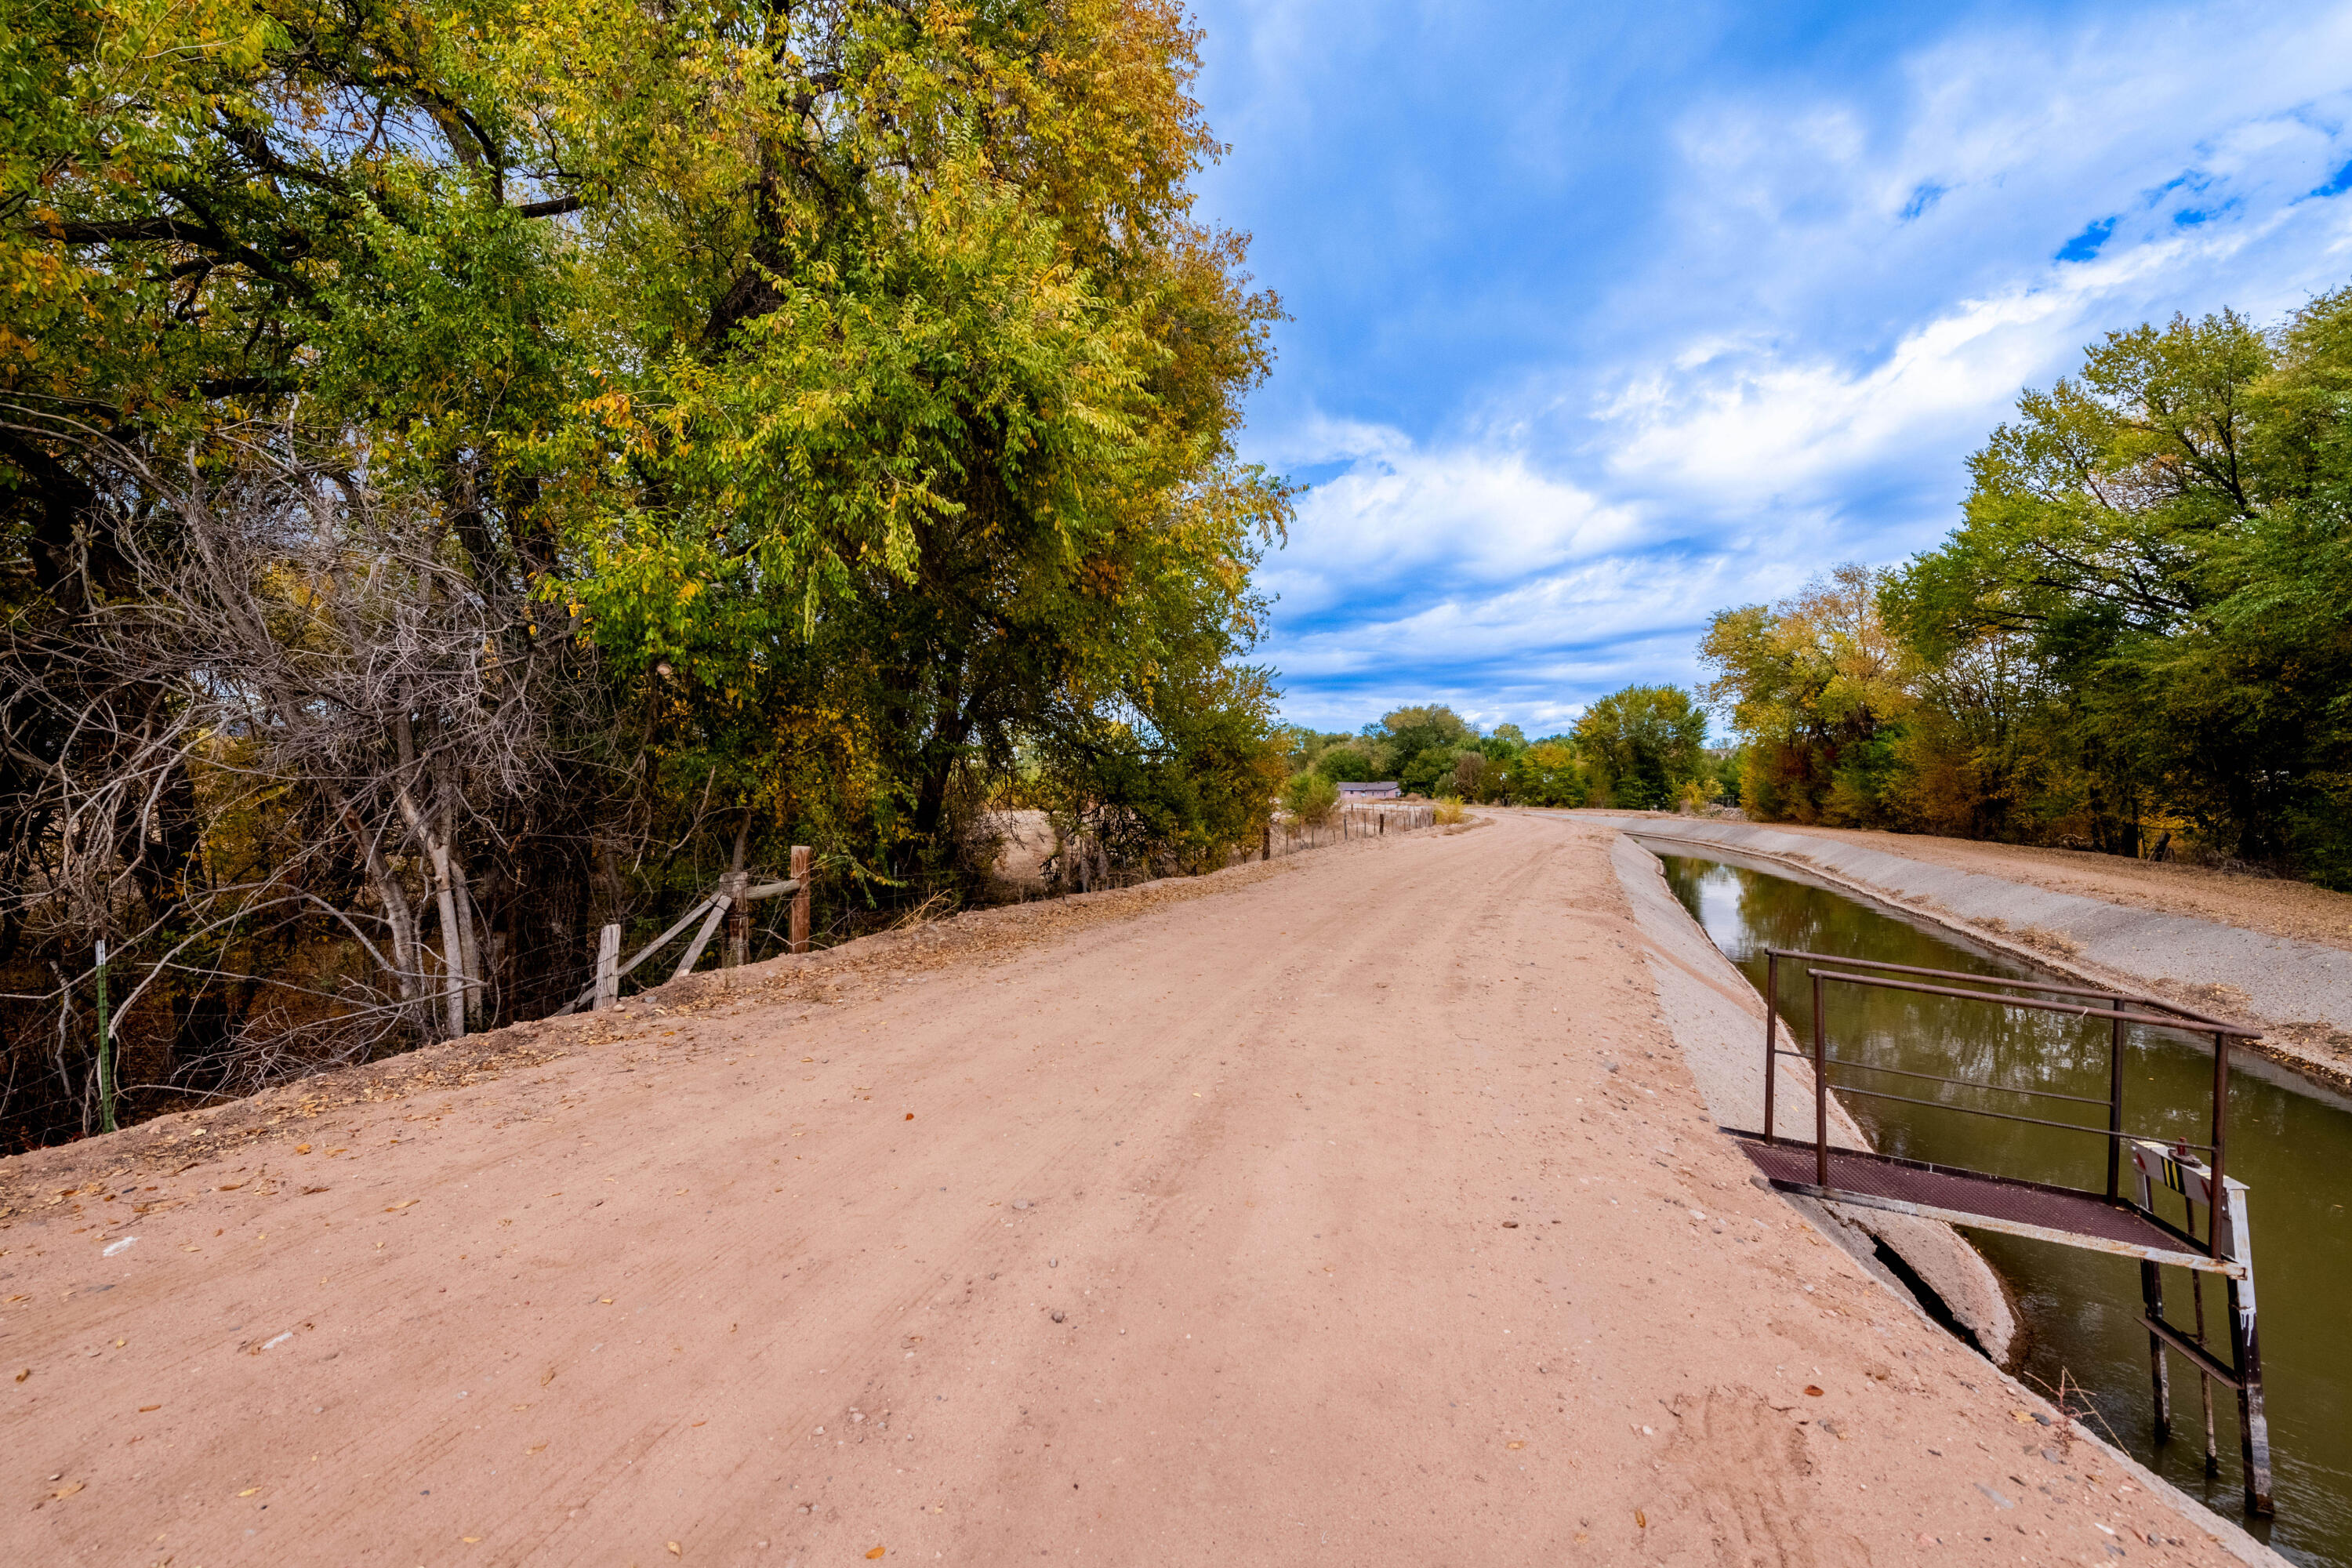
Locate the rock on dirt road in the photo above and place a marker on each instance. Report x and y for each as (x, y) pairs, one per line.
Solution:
(1354, 1209)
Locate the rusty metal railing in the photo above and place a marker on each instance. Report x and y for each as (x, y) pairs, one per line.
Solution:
(2225, 1248)
(2151, 1011)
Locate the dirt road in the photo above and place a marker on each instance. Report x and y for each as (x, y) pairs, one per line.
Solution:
(1358, 1214)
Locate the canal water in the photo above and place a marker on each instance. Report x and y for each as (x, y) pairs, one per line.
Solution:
(2289, 1140)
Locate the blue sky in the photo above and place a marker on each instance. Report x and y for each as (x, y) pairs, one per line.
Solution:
(1607, 317)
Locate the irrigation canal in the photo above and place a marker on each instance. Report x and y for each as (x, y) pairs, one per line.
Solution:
(2290, 1140)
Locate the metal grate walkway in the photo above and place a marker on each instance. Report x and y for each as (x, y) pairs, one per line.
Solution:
(1971, 1197)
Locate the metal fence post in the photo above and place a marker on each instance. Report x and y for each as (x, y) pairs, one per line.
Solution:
(1771, 1039)
(2245, 1352)
(2116, 1104)
(2151, 1296)
(2220, 1140)
(1821, 1089)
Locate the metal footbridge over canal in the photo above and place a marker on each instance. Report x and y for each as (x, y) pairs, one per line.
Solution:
(2111, 1221)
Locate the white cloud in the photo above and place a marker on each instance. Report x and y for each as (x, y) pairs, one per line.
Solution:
(1399, 519)
(1744, 424)
(1802, 240)
(1841, 286)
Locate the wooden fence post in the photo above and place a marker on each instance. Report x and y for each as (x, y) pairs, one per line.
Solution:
(799, 927)
(1266, 841)
(736, 885)
(608, 967)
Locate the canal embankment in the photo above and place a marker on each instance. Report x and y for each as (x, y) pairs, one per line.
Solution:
(1705, 904)
(1718, 1021)
(2298, 990)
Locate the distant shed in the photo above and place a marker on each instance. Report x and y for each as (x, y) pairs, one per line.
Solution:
(1386, 790)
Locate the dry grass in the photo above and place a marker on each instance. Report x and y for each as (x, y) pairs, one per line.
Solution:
(1446, 812)
(2055, 942)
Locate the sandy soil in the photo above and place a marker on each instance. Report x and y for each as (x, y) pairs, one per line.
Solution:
(2268, 904)
(1354, 1209)
(1024, 843)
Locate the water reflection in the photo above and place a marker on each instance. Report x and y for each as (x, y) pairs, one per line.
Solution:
(2288, 1141)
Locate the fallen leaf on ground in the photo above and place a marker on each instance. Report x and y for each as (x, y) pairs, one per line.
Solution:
(404, 1203)
(1814, 1391)
(470, 1540)
(910, 1116)
(873, 1554)
(23, 1374)
(301, 1148)
(248, 1491)
(1514, 1444)
(145, 1408)
(1639, 1521)
(673, 1551)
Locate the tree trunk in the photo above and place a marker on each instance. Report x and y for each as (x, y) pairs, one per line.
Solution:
(464, 899)
(455, 974)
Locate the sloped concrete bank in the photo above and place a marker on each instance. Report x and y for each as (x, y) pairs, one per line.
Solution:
(2299, 991)
(1718, 1020)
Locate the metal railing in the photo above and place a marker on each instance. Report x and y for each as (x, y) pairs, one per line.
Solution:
(2102, 1004)
(2226, 1247)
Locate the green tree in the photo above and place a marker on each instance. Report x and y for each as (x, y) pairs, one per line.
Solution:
(824, 414)
(1547, 772)
(1310, 798)
(1643, 743)
(1414, 730)
(1349, 762)
(1812, 684)
(1427, 771)
(2138, 626)
(2122, 544)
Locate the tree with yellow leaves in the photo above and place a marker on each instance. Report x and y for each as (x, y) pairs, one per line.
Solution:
(822, 412)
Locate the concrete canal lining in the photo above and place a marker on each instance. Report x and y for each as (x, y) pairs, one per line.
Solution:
(2300, 990)
(1718, 1020)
